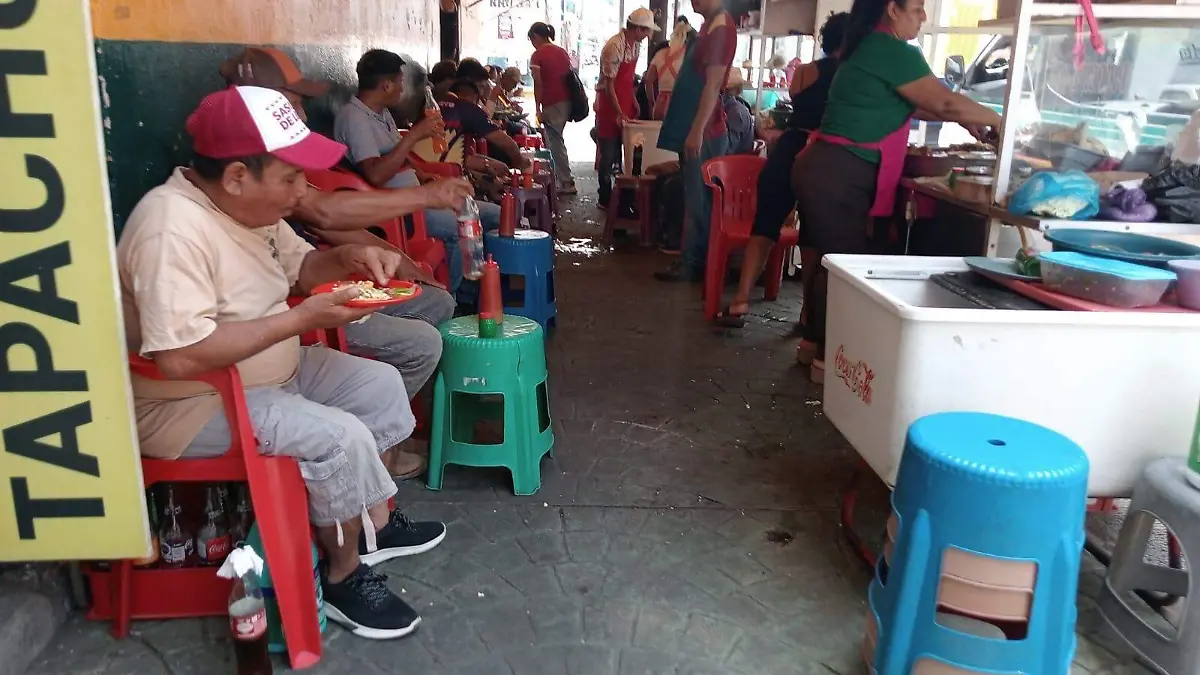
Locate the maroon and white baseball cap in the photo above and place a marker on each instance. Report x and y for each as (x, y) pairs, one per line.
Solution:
(247, 121)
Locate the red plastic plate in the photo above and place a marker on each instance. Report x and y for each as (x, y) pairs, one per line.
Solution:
(406, 290)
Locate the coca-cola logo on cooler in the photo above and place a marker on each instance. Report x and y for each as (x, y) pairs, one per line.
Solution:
(856, 375)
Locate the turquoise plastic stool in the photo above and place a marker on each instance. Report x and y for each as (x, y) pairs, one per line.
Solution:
(999, 488)
(500, 379)
(530, 254)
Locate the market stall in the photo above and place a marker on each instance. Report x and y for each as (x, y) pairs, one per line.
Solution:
(909, 336)
(1119, 113)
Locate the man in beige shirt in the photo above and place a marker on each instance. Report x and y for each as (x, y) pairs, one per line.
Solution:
(206, 264)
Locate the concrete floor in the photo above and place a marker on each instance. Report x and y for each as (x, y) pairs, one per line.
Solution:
(687, 524)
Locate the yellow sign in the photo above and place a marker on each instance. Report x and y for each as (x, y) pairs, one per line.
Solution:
(70, 477)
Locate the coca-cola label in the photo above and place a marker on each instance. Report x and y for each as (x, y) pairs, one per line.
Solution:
(249, 627)
(175, 553)
(469, 229)
(215, 549)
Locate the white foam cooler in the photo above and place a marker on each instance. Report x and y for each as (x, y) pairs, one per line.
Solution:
(1123, 385)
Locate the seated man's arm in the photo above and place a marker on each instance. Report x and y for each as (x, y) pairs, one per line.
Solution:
(348, 237)
(355, 132)
(177, 305)
(505, 143)
(352, 210)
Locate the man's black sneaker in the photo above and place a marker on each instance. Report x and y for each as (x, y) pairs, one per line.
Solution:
(401, 537)
(363, 603)
(679, 272)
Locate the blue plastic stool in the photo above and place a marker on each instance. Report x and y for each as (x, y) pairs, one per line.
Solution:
(528, 253)
(999, 488)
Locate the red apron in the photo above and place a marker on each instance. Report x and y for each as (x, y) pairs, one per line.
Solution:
(892, 150)
(608, 124)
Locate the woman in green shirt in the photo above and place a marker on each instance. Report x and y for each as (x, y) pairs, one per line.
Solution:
(883, 82)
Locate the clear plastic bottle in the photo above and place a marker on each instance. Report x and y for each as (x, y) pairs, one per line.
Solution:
(470, 239)
(247, 612)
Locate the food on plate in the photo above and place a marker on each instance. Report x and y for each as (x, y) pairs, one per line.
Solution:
(1027, 263)
(925, 151)
(369, 292)
(1127, 204)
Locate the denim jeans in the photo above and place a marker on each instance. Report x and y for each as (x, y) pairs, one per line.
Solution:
(442, 224)
(405, 336)
(610, 163)
(698, 199)
(554, 120)
(335, 417)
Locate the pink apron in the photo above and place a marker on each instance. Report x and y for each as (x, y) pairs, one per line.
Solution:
(892, 150)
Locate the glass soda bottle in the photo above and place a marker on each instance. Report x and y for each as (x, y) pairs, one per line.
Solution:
(212, 541)
(470, 239)
(174, 543)
(431, 109)
(247, 612)
(152, 517)
(242, 519)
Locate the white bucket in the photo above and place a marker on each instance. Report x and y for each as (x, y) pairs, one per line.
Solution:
(651, 154)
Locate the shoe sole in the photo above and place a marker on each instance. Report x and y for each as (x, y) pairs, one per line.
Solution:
(385, 554)
(367, 632)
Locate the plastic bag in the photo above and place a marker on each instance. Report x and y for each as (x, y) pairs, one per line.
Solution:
(1068, 195)
(1176, 192)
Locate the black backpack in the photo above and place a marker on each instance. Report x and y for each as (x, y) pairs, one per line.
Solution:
(580, 106)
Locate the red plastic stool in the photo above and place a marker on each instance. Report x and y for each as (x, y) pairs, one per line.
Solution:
(280, 501)
(537, 197)
(644, 187)
(734, 182)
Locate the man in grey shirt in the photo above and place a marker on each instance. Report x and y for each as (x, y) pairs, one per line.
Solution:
(367, 128)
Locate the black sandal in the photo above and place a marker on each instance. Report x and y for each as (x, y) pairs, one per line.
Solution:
(727, 319)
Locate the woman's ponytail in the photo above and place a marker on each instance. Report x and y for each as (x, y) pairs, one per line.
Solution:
(865, 17)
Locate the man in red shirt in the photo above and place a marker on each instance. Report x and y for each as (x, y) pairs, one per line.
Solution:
(616, 101)
(550, 65)
(695, 128)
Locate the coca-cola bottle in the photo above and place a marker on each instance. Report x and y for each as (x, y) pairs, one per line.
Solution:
(243, 517)
(174, 543)
(212, 541)
(247, 612)
(470, 239)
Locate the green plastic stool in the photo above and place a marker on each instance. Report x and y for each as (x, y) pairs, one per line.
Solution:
(501, 379)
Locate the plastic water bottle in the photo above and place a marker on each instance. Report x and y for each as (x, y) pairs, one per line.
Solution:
(470, 239)
(247, 612)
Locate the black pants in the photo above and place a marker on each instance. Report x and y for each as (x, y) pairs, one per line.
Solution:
(668, 193)
(835, 190)
(776, 199)
(610, 163)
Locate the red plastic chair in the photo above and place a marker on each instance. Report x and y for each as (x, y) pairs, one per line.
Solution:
(734, 182)
(420, 246)
(281, 507)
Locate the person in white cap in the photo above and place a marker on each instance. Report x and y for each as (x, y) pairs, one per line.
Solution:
(206, 264)
(616, 100)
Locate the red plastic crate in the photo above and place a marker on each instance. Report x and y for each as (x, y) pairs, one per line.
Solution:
(162, 593)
